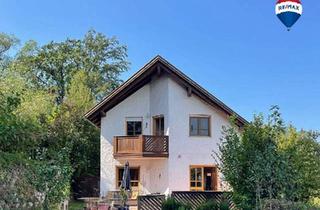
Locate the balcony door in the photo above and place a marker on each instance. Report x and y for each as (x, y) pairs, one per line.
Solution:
(158, 125)
(134, 180)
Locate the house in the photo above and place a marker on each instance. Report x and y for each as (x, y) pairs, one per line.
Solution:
(166, 126)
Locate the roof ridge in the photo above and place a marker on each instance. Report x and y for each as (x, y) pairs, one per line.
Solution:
(203, 89)
(100, 103)
(94, 112)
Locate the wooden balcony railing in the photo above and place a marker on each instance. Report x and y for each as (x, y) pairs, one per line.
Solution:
(141, 146)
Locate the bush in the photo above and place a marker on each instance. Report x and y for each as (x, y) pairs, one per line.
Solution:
(270, 160)
(224, 205)
(287, 205)
(213, 205)
(28, 184)
(16, 191)
(315, 201)
(209, 205)
(172, 204)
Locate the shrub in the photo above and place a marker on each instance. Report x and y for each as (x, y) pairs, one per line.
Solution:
(270, 160)
(28, 184)
(209, 205)
(287, 205)
(16, 191)
(172, 204)
(315, 201)
(224, 205)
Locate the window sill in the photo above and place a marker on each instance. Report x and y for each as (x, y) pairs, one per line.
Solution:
(200, 136)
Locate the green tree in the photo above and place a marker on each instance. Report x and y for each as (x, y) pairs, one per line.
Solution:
(44, 92)
(22, 110)
(269, 161)
(302, 152)
(86, 138)
(7, 42)
(79, 95)
(53, 65)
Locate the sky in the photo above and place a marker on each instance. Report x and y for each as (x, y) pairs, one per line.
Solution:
(238, 50)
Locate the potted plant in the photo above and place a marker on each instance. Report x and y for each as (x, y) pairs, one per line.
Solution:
(124, 195)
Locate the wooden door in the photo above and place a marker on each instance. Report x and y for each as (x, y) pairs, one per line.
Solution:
(158, 126)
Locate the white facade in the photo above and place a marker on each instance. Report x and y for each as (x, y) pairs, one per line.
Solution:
(162, 96)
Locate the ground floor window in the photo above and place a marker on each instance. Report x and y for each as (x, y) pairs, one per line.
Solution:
(134, 176)
(203, 178)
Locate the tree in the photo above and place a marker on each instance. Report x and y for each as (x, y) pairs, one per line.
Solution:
(52, 66)
(7, 42)
(269, 161)
(302, 151)
(22, 112)
(86, 140)
(44, 92)
(79, 95)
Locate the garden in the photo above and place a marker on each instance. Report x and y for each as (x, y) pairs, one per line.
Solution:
(268, 164)
(271, 165)
(46, 146)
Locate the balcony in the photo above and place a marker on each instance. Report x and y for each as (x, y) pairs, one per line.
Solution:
(141, 146)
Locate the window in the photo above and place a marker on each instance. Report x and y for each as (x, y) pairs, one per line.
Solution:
(196, 179)
(134, 127)
(200, 126)
(203, 178)
(134, 176)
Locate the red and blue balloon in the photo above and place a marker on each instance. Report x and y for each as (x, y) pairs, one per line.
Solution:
(289, 11)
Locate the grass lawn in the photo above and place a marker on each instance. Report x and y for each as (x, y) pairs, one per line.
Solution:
(76, 205)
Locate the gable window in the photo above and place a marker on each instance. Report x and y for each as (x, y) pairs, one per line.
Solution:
(134, 126)
(199, 126)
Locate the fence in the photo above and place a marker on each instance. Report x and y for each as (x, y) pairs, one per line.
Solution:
(150, 202)
(195, 199)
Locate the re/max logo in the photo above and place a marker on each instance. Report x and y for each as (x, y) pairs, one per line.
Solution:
(288, 6)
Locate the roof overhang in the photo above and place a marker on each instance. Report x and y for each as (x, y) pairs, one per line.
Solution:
(156, 66)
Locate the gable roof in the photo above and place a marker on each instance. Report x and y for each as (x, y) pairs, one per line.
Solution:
(156, 66)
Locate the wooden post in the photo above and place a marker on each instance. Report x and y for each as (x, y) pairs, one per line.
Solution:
(142, 144)
(115, 145)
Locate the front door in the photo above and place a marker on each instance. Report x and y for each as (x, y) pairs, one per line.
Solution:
(208, 179)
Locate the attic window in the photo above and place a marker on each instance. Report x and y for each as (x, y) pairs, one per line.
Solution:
(134, 126)
(200, 126)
